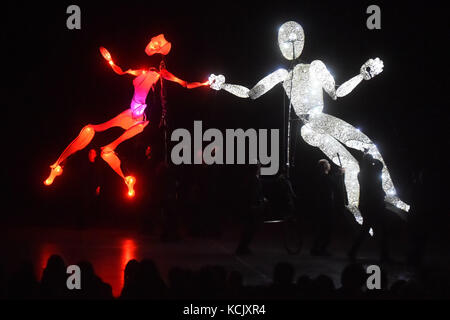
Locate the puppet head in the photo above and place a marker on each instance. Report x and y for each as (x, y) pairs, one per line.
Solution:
(291, 40)
(158, 44)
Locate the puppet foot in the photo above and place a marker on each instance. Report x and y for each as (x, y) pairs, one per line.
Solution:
(56, 170)
(130, 181)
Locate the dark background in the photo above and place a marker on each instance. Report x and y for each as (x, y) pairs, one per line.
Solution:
(55, 82)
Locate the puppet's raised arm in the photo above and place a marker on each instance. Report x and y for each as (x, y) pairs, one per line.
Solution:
(368, 70)
(105, 53)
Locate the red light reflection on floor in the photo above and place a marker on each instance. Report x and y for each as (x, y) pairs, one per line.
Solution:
(128, 252)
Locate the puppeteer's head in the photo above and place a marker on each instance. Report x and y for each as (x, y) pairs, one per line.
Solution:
(291, 39)
(324, 166)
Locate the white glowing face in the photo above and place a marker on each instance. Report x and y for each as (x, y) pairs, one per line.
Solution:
(291, 39)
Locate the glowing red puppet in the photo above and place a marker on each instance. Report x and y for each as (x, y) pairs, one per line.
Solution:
(132, 120)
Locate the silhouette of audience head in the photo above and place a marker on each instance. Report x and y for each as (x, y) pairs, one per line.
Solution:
(142, 280)
(150, 283)
(304, 283)
(53, 282)
(130, 273)
(92, 287)
(353, 277)
(322, 286)
(283, 274)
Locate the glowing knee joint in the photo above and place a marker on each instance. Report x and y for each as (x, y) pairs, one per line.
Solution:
(88, 129)
(87, 132)
(56, 170)
(106, 152)
(130, 181)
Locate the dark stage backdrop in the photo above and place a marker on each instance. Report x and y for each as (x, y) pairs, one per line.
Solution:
(55, 82)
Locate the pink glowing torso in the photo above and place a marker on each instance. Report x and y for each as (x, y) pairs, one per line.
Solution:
(142, 85)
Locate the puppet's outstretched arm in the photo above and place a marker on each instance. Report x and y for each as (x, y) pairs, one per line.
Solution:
(190, 85)
(105, 53)
(263, 86)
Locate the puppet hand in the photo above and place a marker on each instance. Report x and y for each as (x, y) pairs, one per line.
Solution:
(216, 82)
(371, 68)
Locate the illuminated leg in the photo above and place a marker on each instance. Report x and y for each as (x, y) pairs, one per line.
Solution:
(113, 160)
(354, 138)
(83, 139)
(331, 147)
(123, 120)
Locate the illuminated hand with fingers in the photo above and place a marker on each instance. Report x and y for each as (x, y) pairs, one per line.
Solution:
(216, 82)
(371, 68)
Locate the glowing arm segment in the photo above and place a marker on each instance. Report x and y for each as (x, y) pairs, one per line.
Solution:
(349, 85)
(218, 83)
(190, 85)
(105, 53)
(135, 72)
(267, 83)
(237, 90)
(368, 70)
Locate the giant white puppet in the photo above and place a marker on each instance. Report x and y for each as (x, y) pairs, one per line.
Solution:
(304, 85)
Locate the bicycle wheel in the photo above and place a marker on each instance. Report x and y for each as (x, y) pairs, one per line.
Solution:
(293, 235)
